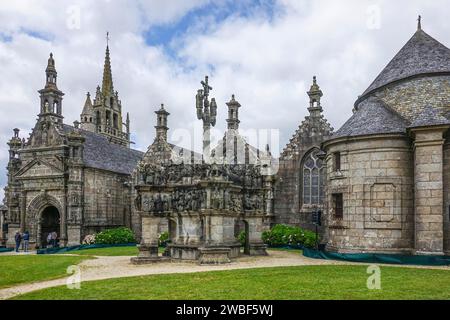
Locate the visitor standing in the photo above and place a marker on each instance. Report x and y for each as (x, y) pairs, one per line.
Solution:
(26, 241)
(18, 239)
(54, 239)
(49, 239)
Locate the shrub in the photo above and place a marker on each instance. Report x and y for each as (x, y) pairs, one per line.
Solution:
(163, 239)
(120, 235)
(241, 238)
(89, 239)
(283, 235)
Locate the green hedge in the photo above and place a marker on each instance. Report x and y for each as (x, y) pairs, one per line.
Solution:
(163, 239)
(115, 236)
(283, 235)
(241, 238)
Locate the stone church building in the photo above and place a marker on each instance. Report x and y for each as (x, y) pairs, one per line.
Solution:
(74, 180)
(382, 180)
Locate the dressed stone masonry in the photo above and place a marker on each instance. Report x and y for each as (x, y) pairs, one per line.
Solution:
(70, 179)
(391, 192)
(300, 186)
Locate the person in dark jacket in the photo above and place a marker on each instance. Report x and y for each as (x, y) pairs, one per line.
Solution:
(26, 241)
(18, 239)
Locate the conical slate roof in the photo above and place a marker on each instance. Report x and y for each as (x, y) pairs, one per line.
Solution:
(422, 54)
(372, 117)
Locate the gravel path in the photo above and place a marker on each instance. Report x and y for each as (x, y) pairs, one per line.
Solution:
(118, 267)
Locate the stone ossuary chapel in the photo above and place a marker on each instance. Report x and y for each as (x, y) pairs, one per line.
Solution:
(382, 180)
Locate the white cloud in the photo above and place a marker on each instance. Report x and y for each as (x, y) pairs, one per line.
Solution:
(267, 61)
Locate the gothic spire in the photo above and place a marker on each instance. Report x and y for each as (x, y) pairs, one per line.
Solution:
(87, 109)
(107, 85)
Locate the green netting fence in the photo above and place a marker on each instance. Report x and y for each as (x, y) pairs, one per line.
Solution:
(398, 259)
(6, 250)
(82, 247)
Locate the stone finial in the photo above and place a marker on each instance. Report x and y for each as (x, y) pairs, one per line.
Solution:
(419, 23)
(76, 124)
(314, 94)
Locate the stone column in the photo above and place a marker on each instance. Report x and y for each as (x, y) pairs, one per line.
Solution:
(429, 201)
(148, 248)
(23, 211)
(255, 230)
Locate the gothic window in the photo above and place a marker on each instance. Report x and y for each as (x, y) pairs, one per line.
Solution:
(99, 118)
(55, 106)
(115, 121)
(313, 172)
(111, 102)
(337, 161)
(108, 118)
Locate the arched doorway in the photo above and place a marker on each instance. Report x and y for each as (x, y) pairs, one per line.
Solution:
(50, 222)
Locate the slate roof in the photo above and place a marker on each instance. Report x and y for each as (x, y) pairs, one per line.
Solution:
(372, 117)
(429, 117)
(99, 153)
(422, 54)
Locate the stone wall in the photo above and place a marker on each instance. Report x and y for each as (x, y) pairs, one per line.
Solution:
(107, 201)
(376, 181)
(446, 209)
(288, 206)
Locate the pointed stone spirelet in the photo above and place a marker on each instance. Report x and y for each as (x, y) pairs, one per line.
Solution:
(107, 84)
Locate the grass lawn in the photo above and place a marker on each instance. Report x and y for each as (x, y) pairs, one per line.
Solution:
(16, 270)
(110, 252)
(308, 282)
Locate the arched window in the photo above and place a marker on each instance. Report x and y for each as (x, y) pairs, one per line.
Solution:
(116, 121)
(313, 172)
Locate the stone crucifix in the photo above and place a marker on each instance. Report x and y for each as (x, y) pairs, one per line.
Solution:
(207, 112)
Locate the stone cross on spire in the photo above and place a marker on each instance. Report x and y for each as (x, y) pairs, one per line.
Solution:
(207, 112)
(206, 87)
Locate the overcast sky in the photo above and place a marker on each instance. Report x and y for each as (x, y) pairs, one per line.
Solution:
(265, 52)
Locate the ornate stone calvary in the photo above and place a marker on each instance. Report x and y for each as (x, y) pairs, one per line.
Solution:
(207, 112)
(205, 205)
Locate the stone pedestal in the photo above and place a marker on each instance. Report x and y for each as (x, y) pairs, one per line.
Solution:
(12, 229)
(73, 235)
(214, 255)
(184, 252)
(147, 254)
(148, 249)
(258, 249)
(428, 178)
